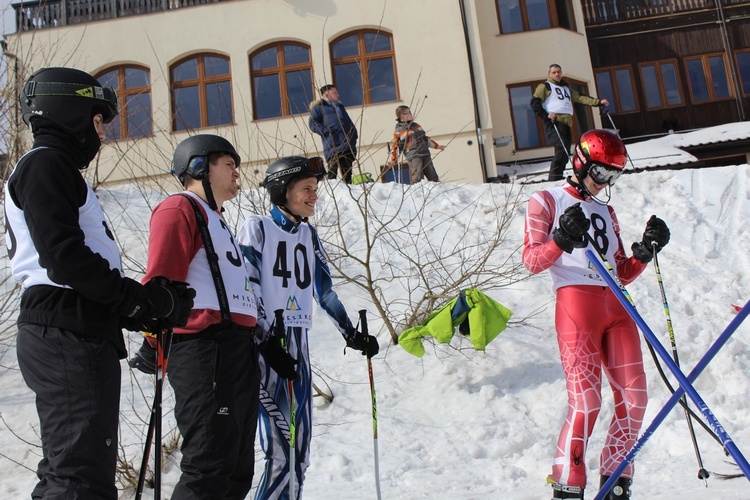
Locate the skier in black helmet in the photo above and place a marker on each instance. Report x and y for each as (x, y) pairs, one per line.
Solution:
(213, 361)
(289, 268)
(76, 298)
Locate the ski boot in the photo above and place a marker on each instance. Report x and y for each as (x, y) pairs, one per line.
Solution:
(621, 489)
(569, 492)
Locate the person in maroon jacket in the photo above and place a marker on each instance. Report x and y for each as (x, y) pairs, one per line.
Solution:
(213, 361)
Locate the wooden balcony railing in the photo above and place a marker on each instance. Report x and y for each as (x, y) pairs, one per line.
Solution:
(598, 12)
(43, 14)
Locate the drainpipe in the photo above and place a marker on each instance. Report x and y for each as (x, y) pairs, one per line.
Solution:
(15, 129)
(477, 119)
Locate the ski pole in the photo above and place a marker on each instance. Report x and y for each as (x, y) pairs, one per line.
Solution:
(562, 143)
(659, 368)
(163, 345)
(281, 334)
(365, 332)
(702, 472)
(684, 381)
(682, 402)
(603, 111)
(610, 270)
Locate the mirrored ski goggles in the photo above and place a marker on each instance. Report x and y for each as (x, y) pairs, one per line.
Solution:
(603, 174)
(315, 166)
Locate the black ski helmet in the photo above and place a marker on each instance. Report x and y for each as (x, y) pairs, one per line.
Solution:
(68, 98)
(191, 155)
(283, 170)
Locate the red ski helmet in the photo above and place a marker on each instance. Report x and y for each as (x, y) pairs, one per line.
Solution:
(601, 155)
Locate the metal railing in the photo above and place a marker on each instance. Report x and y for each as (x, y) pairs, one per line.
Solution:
(42, 14)
(598, 12)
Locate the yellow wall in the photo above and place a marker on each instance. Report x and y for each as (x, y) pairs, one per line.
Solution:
(431, 60)
(524, 57)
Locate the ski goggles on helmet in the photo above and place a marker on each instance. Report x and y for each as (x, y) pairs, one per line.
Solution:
(307, 167)
(315, 166)
(603, 174)
(103, 97)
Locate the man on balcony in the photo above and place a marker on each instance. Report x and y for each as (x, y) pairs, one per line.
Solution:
(553, 103)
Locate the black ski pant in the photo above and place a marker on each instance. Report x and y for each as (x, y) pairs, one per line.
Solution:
(343, 162)
(216, 381)
(562, 149)
(77, 385)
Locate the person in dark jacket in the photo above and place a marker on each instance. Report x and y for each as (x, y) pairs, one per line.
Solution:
(553, 103)
(329, 119)
(75, 297)
(410, 139)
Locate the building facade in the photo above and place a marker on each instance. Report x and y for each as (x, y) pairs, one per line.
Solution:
(248, 69)
(671, 65)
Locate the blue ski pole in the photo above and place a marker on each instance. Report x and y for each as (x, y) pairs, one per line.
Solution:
(685, 382)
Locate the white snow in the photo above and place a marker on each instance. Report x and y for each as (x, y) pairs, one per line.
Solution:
(461, 424)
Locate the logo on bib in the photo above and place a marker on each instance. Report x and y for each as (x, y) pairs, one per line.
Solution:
(292, 304)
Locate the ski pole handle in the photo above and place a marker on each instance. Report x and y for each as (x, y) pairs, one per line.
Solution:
(363, 321)
(279, 329)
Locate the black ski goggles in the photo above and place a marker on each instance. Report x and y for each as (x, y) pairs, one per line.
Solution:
(104, 97)
(602, 174)
(315, 166)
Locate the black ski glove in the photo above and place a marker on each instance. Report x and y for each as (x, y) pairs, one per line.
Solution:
(278, 358)
(572, 228)
(169, 301)
(366, 344)
(144, 359)
(656, 233)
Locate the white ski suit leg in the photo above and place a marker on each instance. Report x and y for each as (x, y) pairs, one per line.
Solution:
(274, 422)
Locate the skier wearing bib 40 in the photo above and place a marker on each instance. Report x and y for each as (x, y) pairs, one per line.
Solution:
(593, 329)
(289, 265)
(76, 299)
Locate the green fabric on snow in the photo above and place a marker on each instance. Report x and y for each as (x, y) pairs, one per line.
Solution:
(486, 319)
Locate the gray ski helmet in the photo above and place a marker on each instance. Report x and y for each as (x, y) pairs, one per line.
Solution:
(69, 98)
(283, 170)
(191, 155)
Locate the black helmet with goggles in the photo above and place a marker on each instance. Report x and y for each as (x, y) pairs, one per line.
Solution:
(281, 172)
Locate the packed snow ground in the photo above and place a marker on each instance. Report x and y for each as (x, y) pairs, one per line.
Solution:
(461, 424)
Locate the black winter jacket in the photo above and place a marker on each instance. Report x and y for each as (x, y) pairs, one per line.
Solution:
(49, 188)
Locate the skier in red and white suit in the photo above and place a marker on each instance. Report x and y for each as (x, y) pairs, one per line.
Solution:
(593, 328)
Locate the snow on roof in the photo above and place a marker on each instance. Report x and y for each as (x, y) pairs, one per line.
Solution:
(667, 150)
